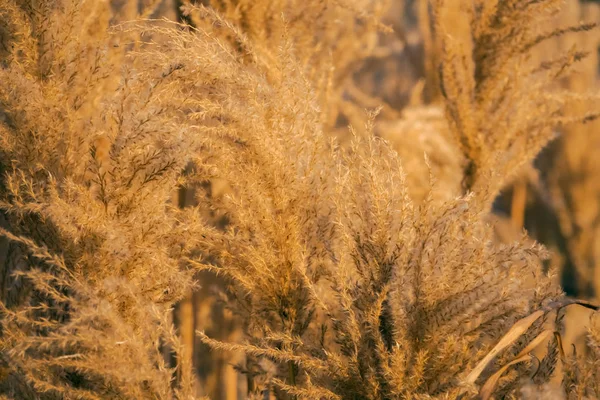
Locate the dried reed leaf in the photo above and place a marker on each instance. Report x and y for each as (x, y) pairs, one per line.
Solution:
(490, 385)
(488, 388)
(509, 338)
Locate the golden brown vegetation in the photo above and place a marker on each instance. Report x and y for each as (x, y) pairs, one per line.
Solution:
(358, 262)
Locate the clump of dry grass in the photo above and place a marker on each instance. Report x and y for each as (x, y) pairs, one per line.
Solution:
(352, 249)
(501, 107)
(346, 288)
(92, 148)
